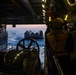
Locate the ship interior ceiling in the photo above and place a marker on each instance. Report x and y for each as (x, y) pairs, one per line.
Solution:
(34, 12)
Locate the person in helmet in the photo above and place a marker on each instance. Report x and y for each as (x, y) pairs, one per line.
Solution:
(57, 36)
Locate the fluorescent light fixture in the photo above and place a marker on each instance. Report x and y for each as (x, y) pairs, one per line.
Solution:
(43, 11)
(71, 4)
(66, 17)
(49, 18)
(44, 1)
(43, 5)
(43, 14)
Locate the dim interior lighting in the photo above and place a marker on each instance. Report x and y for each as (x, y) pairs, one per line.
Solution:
(43, 11)
(43, 14)
(66, 17)
(15, 58)
(43, 0)
(17, 54)
(43, 17)
(49, 18)
(43, 5)
(71, 4)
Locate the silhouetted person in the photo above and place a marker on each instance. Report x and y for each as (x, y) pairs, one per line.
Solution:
(57, 36)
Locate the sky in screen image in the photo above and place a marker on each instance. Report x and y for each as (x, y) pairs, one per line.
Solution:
(28, 27)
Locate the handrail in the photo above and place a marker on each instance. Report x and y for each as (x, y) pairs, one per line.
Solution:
(54, 61)
(58, 66)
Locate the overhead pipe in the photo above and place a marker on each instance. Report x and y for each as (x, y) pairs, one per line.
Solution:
(27, 7)
(26, 2)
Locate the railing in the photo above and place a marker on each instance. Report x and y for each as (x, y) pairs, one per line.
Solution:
(53, 65)
(60, 71)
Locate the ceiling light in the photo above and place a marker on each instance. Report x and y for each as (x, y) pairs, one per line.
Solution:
(43, 14)
(44, 1)
(71, 4)
(49, 18)
(43, 5)
(43, 11)
(66, 17)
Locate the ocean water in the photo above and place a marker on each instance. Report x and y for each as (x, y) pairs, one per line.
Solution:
(16, 34)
